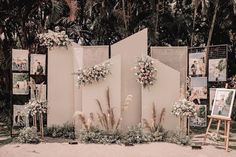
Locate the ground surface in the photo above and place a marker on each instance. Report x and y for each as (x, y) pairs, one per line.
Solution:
(90, 150)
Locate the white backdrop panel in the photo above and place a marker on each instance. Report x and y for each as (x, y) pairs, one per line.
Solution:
(98, 91)
(60, 85)
(130, 48)
(163, 93)
(175, 57)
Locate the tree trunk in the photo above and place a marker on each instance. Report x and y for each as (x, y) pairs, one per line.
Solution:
(212, 28)
(157, 21)
(124, 14)
(194, 23)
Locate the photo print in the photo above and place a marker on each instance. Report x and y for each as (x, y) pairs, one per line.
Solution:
(19, 116)
(198, 89)
(223, 102)
(39, 92)
(20, 60)
(217, 70)
(37, 64)
(200, 120)
(20, 83)
(197, 64)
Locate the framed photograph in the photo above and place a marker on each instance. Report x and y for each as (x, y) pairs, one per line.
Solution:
(20, 60)
(198, 89)
(217, 70)
(197, 64)
(19, 116)
(200, 120)
(39, 91)
(223, 102)
(212, 92)
(20, 83)
(37, 64)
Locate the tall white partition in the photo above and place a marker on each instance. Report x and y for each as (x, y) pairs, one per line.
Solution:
(175, 57)
(163, 93)
(60, 85)
(130, 48)
(98, 91)
(85, 56)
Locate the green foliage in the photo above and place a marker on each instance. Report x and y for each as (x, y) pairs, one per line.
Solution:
(66, 131)
(135, 135)
(98, 136)
(179, 138)
(28, 135)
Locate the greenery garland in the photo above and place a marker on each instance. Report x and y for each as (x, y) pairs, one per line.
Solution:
(93, 74)
(145, 72)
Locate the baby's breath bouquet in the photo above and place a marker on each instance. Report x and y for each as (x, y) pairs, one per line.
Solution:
(34, 107)
(52, 39)
(93, 74)
(145, 72)
(184, 107)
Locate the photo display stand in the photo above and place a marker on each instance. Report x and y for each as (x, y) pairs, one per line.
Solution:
(205, 76)
(22, 64)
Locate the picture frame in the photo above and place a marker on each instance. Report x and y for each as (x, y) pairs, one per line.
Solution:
(20, 83)
(198, 89)
(19, 116)
(37, 64)
(197, 64)
(223, 102)
(200, 120)
(20, 60)
(41, 91)
(217, 70)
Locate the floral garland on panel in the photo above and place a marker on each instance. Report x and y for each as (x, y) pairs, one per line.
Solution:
(145, 72)
(52, 39)
(184, 107)
(93, 74)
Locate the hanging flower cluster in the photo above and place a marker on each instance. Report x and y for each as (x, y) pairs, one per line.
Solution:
(184, 107)
(34, 107)
(145, 72)
(52, 39)
(93, 74)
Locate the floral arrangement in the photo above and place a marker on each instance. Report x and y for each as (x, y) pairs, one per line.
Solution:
(93, 74)
(33, 107)
(52, 39)
(184, 107)
(145, 72)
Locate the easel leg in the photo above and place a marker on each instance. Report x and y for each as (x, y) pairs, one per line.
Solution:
(208, 127)
(227, 137)
(218, 127)
(225, 132)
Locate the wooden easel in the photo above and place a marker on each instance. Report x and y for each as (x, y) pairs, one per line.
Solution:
(227, 122)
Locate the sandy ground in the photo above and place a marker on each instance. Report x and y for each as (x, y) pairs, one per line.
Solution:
(91, 150)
